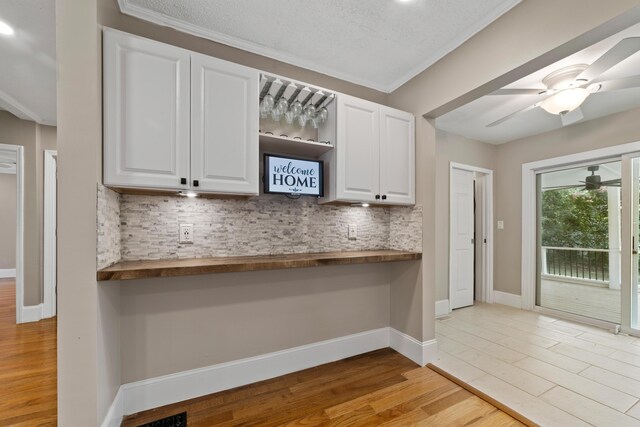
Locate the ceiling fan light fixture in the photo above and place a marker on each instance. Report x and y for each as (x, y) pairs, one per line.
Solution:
(565, 101)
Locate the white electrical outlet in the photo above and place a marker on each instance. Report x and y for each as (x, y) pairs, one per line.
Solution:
(500, 225)
(186, 233)
(353, 231)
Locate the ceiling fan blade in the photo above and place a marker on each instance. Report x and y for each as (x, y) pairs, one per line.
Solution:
(611, 185)
(519, 92)
(618, 53)
(623, 83)
(572, 117)
(505, 118)
(611, 181)
(562, 187)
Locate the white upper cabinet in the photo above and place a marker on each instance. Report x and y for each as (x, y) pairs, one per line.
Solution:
(178, 120)
(374, 158)
(397, 156)
(224, 126)
(146, 113)
(358, 149)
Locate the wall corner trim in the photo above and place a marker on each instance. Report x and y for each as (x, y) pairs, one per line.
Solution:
(7, 273)
(32, 313)
(155, 392)
(115, 414)
(504, 298)
(420, 352)
(442, 308)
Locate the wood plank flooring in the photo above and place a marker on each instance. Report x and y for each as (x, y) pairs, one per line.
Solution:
(554, 372)
(377, 388)
(28, 377)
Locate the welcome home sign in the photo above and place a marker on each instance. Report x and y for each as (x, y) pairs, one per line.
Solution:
(287, 175)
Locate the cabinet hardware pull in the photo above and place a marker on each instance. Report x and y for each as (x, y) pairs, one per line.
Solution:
(196, 183)
(377, 197)
(183, 181)
(384, 197)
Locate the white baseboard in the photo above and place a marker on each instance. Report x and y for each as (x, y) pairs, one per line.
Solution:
(420, 352)
(505, 298)
(160, 391)
(442, 308)
(115, 414)
(6, 273)
(31, 313)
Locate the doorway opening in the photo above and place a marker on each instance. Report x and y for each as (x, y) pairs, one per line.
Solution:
(12, 160)
(614, 257)
(470, 235)
(579, 240)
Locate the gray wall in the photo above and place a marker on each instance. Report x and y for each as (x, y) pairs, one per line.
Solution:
(7, 221)
(217, 318)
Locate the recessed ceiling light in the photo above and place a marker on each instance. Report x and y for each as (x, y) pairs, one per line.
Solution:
(5, 29)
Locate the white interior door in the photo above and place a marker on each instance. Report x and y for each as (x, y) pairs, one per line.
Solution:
(462, 234)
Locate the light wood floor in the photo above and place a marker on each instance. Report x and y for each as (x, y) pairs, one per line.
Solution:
(28, 385)
(554, 372)
(586, 300)
(378, 388)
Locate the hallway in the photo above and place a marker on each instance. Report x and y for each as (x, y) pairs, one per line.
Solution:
(28, 382)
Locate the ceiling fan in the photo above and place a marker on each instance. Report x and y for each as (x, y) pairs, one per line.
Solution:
(591, 182)
(568, 87)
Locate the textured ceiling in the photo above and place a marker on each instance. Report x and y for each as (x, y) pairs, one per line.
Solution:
(470, 120)
(377, 43)
(28, 60)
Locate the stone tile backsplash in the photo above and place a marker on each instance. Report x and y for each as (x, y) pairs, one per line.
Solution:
(108, 222)
(148, 227)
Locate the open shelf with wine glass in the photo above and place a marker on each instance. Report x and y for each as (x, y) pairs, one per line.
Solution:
(296, 118)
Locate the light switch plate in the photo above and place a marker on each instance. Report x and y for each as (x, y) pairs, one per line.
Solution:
(500, 225)
(186, 233)
(353, 231)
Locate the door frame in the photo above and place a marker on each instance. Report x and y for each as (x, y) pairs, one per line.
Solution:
(529, 239)
(487, 231)
(18, 150)
(629, 308)
(49, 231)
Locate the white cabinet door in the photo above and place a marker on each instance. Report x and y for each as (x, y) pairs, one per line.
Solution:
(224, 126)
(146, 113)
(397, 156)
(358, 149)
(462, 234)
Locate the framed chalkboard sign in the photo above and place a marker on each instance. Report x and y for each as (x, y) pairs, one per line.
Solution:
(289, 175)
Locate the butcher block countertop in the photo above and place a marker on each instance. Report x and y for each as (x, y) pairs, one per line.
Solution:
(128, 270)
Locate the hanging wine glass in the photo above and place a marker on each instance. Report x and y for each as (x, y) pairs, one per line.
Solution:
(289, 117)
(266, 105)
(302, 119)
(323, 115)
(310, 111)
(280, 108)
(296, 108)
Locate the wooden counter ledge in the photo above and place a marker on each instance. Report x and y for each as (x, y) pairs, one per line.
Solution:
(128, 270)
